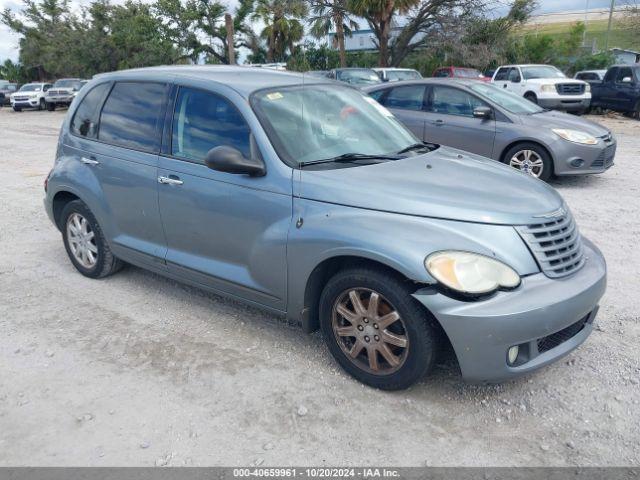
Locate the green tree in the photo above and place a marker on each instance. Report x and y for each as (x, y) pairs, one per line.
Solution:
(14, 72)
(283, 28)
(332, 14)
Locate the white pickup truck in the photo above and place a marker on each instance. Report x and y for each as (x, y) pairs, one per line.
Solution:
(545, 85)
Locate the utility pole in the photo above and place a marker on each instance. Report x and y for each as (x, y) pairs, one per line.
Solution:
(586, 22)
(606, 39)
(229, 25)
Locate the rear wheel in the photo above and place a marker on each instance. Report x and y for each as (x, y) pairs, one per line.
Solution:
(530, 158)
(85, 243)
(375, 330)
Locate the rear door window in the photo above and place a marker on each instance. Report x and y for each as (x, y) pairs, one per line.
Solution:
(410, 97)
(85, 119)
(204, 120)
(132, 115)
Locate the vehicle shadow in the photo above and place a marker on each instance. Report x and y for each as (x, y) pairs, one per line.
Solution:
(576, 181)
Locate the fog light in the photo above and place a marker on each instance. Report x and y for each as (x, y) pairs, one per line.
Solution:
(512, 354)
(577, 162)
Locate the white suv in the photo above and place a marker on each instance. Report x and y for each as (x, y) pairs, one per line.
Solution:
(30, 95)
(545, 85)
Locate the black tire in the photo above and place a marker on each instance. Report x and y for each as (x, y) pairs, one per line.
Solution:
(51, 106)
(531, 97)
(547, 170)
(42, 104)
(418, 326)
(106, 263)
(17, 109)
(636, 111)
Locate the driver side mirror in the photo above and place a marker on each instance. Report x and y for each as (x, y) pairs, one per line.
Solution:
(231, 160)
(484, 113)
(626, 80)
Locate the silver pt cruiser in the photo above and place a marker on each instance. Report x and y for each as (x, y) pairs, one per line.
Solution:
(311, 200)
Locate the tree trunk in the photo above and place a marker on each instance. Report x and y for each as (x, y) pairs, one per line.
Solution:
(383, 59)
(231, 51)
(271, 46)
(339, 22)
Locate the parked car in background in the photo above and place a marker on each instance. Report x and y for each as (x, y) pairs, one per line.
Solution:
(499, 124)
(6, 89)
(460, 72)
(30, 95)
(311, 201)
(355, 76)
(317, 73)
(62, 93)
(590, 76)
(397, 74)
(619, 91)
(546, 86)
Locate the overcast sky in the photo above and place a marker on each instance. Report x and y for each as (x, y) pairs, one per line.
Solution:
(9, 42)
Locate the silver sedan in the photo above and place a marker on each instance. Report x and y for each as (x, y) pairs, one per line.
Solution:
(492, 122)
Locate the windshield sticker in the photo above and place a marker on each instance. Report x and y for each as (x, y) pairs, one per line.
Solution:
(274, 96)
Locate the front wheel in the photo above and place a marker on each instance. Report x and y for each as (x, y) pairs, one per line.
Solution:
(530, 158)
(17, 109)
(531, 97)
(375, 330)
(42, 104)
(85, 243)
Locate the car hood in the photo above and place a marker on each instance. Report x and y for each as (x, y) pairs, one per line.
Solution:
(555, 119)
(445, 183)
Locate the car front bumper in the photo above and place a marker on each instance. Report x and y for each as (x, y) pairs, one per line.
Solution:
(26, 103)
(482, 332)
(576, 159)
(568, 104)
(59, 99)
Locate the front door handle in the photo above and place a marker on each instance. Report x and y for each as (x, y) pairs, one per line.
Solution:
(438, 123)
(89, 161)
(170, 181)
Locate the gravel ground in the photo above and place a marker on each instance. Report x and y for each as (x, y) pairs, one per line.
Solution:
(140, 370)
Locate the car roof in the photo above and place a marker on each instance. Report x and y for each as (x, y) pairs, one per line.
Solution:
(460, 82)
(244, 80)
(381, 69)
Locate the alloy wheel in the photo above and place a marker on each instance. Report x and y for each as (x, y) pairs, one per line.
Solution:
(81, 240)
(528, 161)
(370, 331)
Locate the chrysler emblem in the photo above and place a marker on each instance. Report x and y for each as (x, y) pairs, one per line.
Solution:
(561, 212)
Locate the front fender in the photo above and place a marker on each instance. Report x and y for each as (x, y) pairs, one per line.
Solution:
(400, 242)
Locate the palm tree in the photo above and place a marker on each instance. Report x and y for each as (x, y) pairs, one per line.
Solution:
(329, 14)
(379, 14)
(282, 25)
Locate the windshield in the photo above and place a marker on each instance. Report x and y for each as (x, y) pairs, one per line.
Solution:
(507, 100)
(315, 123)
(359, 77)
(31, 87)
(67, 84)
(467, 73)
(399, 75)
(542, 71)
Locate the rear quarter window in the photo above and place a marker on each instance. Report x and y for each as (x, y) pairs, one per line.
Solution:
(85, 119)
(132, 115)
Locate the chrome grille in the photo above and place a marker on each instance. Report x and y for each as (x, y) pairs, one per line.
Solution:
(556, 245)
(570, 88)
(20, 99)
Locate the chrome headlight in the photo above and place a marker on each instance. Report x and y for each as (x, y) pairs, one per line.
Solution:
(576, 136)
(548, 88)
(470, 273)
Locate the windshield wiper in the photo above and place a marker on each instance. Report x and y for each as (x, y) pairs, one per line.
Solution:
(348, 158)
(417, 146)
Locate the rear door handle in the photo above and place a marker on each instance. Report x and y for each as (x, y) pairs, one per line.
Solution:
(170, 180)
(89, 161)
